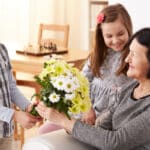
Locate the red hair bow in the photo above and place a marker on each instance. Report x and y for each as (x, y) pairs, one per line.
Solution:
(100, 18)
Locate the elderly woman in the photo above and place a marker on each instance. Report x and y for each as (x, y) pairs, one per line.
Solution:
(125, 125)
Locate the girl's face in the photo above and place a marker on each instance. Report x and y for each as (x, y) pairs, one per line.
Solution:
(115, 35)
(137, 60)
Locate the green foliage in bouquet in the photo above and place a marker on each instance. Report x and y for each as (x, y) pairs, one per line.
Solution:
(64, 88)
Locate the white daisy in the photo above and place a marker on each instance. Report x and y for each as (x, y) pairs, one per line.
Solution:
(69, 86)
(59, 83)
(54, 98)
(69, 96)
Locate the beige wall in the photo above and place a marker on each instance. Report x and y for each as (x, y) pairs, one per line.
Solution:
(139, 11)
(72, 12)
(20, 20)
(78, 18)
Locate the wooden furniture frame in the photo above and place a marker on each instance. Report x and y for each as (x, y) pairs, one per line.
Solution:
(55, 28)
(33, 64)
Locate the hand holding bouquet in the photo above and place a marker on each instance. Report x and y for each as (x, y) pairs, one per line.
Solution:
(64, 88)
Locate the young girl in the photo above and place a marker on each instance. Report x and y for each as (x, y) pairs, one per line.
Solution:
(114, 27)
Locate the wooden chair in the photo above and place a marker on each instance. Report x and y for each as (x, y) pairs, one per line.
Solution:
(55, 34)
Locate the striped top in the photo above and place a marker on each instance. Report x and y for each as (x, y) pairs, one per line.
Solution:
(9, 94)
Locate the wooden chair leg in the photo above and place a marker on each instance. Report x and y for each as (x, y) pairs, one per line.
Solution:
(21, 137)
(15, 131)
(18, 132)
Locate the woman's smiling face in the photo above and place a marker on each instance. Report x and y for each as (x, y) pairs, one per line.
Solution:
(137, 60)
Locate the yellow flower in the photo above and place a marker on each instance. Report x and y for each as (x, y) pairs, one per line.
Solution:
(43, 74)
(51, 61)
(75, 109)
(76, 100)
(59, 69)
(85, 106)
(84, 90)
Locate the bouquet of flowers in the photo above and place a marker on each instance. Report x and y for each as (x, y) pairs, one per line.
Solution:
(64, 88)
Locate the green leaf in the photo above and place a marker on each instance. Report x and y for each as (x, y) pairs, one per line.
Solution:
(35, 95)
(34, 112)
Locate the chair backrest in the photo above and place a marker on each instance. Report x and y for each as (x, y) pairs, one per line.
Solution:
(58, 34)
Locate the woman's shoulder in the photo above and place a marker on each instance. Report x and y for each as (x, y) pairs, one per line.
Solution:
(124, 91)
(127, 88)
(129, 85)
